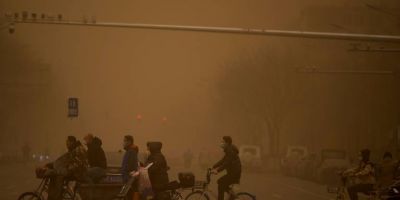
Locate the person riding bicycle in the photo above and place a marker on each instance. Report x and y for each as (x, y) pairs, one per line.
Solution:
(70, 166)
(364, 174)
(96, 159)
(158, 172)
(231, 163)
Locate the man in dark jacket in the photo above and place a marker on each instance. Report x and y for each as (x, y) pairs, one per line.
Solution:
(96, 158)
(231, 163)
(130, 159)
(158, 171)
(71, 165)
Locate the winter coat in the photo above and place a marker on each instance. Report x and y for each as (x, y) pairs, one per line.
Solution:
(231, 163)
(365, 173)
(129, 162)
(72, 164)
(158, 171)
(96, 155)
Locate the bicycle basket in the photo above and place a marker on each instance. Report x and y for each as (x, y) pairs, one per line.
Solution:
(186, 179)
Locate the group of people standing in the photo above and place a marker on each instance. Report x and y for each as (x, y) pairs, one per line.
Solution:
(89, 164)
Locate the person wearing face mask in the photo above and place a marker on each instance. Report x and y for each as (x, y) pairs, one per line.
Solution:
(364, 174)
(231, 163)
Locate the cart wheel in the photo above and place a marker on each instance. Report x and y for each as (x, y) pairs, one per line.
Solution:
(197, 195)
(245, 196)
(29, 196)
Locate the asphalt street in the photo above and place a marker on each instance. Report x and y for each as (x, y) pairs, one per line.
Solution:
(18, 178)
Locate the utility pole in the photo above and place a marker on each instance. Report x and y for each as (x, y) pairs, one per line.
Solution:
(365, 72)
(33, 19)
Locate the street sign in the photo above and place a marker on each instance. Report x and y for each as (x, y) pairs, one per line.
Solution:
(73, 107)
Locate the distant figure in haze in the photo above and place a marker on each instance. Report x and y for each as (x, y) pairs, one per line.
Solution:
(188, 158)
(96, 158)
(26, 151)
(231, 163)
(386, 171)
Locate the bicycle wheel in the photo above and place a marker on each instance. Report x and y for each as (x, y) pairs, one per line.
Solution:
(176, 195)
(70, 195)
(197, 195)
(29, 196)
(245, 196)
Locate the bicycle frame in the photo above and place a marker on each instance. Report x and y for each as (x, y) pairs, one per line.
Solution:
(44, 187)
(206, 191)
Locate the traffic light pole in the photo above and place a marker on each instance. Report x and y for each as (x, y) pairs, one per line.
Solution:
(231, 30)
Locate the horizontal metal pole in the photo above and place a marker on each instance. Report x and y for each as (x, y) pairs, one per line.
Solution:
(377, 50)
(232, 30)
(377, 72)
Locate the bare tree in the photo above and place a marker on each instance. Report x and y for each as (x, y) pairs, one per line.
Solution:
(24, 84)
(256, 88)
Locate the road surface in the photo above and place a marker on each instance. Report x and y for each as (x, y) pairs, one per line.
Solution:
(17, 178)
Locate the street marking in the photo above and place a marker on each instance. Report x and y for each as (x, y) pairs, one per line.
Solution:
(306, 191)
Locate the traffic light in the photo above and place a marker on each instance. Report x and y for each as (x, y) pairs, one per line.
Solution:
(139, 117)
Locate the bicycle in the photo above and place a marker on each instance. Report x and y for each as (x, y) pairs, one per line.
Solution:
(390, 192)
(201, 191)
(41, 192)
(171, 189)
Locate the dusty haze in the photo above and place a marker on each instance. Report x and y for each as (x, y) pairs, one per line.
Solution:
(182, 76)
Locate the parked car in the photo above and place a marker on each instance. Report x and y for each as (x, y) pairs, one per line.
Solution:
(306, 167)
(332, 161)
(292, 158)
(250, 156)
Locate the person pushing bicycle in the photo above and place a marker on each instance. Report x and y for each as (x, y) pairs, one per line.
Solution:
(231, 163)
